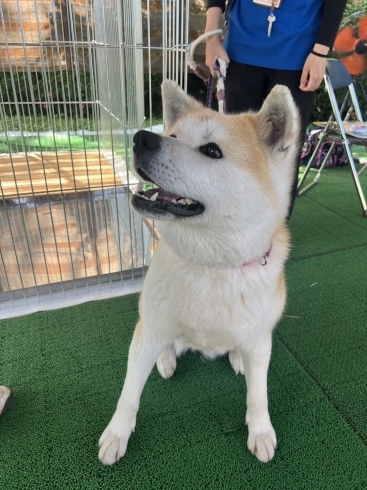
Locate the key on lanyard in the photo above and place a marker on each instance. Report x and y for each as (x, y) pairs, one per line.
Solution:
(271, 19)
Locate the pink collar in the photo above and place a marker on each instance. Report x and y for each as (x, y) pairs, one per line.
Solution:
(262, 259)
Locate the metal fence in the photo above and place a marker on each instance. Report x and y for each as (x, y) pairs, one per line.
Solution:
(72, 96)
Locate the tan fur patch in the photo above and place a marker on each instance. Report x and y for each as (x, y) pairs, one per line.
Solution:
(281, 289)
(239, 142)
(255, 160)
(138, 331)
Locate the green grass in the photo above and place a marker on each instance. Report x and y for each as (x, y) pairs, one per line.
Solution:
(59, 123)
(14, 144)
(42, 123)
(59, 142)
(155, 121)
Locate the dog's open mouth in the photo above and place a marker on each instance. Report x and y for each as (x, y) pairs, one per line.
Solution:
(159, 201)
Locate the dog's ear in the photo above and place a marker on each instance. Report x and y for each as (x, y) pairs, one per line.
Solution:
(279, 119)
(176, 102)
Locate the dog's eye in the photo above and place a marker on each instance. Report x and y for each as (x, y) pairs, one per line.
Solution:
(172, 136)
(211, 150)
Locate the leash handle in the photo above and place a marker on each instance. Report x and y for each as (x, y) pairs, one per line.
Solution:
(191, 62)
(221, 74)
(220, 70)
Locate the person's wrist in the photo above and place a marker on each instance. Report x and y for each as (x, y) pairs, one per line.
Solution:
(319, 55)
(320, 50)
(212, 39)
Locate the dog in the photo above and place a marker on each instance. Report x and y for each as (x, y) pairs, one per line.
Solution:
(216, 282)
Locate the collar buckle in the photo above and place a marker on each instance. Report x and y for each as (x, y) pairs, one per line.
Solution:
(263, 260)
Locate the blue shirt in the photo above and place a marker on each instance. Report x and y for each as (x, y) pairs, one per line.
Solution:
(292, 36)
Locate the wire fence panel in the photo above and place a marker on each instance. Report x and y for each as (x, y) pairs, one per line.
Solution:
(76, 84)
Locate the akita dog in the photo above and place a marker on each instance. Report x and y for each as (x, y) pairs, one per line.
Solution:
(216, 281)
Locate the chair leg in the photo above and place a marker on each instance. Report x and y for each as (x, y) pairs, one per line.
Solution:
(308, 166)
(361, 169)
(318, 175)
(355, 177)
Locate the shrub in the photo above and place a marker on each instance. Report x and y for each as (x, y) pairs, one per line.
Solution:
(59, 88)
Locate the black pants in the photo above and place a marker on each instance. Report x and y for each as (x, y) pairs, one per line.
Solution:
(247, 87)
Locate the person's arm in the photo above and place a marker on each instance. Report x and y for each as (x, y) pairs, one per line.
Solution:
(331, 17)
(314, 67)
(216, 3)
(214, 48)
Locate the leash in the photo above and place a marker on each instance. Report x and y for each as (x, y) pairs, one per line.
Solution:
(220, 72)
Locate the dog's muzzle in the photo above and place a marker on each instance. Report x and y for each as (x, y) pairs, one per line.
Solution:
(157, 202)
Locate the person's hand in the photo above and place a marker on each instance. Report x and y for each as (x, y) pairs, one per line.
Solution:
(213, 51)
(313, 73)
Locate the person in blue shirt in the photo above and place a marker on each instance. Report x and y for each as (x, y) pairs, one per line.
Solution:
(272, 42)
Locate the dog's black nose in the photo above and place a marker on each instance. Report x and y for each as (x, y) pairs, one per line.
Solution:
(145, 141)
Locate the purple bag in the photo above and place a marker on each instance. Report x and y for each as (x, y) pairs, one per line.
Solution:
(336, 159)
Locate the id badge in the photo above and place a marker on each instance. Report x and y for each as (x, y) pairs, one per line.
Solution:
(268, 3)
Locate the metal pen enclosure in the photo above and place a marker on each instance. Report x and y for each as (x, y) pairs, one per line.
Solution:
(76, 84)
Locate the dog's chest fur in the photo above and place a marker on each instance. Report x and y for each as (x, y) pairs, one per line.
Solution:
(213, 311)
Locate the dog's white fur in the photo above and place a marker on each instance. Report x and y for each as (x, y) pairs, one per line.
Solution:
(198, 294)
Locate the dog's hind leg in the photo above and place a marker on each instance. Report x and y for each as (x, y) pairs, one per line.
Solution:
(261, 439)
(143, 353)
(235, 358)
(166, 362)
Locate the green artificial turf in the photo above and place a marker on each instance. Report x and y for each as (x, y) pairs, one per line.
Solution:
(66, 368)
(55, 142)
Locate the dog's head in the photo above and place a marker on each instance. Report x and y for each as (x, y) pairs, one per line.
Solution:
(222, 172)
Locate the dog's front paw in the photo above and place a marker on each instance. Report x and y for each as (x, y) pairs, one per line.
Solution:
(262, 444)
(113, 441)
(111, 448)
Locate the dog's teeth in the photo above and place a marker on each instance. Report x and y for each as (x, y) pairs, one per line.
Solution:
(189, 201)
(174, 201)
(154, 197)
(181, 201)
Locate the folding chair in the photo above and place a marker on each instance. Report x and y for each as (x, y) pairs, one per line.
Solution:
(340, 130)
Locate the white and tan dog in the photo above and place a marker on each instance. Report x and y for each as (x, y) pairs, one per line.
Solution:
(216, 282)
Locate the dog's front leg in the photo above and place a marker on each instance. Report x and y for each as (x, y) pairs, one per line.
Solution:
(261, 439)
(143, 354)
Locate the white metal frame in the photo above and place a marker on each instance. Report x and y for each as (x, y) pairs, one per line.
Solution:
(108, 41)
